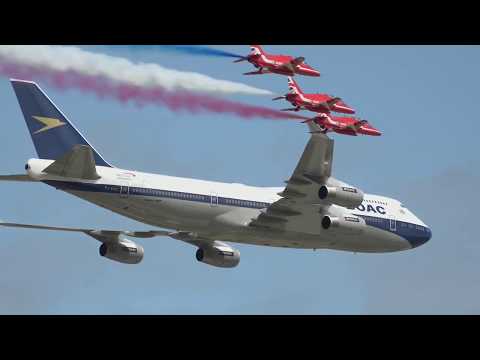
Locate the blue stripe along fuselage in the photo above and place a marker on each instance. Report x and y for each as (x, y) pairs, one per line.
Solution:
(415, 234)
(166, 194)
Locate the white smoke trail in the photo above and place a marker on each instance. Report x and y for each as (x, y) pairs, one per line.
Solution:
(70, 58)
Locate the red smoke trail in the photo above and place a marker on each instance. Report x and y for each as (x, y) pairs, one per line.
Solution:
(174, 100)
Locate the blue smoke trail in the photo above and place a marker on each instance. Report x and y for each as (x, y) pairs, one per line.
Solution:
(198, 50)
(189, 49)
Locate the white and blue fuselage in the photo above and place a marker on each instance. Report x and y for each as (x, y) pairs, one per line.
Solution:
(198, 206)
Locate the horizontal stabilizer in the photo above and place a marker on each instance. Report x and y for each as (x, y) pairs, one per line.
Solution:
(16, 178)
(254, 73)
(241, 59)
(78, 163)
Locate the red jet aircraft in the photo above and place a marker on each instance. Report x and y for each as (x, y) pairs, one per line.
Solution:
(344, 125)
(320, 103)
(278, 64)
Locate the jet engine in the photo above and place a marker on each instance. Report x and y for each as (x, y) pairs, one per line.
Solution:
(347, 225)
(219, 255)
(348, 197)
(126, 251)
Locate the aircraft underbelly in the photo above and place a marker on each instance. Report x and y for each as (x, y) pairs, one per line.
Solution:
(370, 241)
(200, 217)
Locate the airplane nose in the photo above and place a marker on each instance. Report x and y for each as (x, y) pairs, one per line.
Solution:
(429, 234)
(421, 238)
(370, 131)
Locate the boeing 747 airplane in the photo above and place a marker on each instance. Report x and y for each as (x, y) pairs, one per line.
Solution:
(313, 211)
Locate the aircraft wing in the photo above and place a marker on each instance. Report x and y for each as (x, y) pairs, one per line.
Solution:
(298, 60)
(290, 66)
(326, 103)
(359, 124)
(333, 101)
(101, 235)
(301, 193)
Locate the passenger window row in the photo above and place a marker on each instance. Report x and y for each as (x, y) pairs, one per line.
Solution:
(168, 194)
(245, 203)
(188, 196)
(376, 202)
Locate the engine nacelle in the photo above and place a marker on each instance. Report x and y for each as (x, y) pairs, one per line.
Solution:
(345, 196)
(347, 225)
(126, 251)
(220, 255)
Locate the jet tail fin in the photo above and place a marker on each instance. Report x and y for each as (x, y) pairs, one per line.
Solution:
(52, 133)
(293, 86)
(256, 50)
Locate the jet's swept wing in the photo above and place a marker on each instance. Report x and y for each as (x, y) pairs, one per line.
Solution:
(301, 192)
(290, 66)
(115, 245)
(116, 239)
(104, 236)
(356, 126)
(298, 60)
(333, 101)
(111, 236)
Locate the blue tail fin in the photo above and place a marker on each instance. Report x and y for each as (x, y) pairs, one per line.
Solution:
(52, 134)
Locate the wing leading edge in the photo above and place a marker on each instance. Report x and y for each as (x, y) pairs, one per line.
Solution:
(300, 194)
(101, 235)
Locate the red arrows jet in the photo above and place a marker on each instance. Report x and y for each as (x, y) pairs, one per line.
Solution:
(278, 64)
(344, 125)
(320, 103)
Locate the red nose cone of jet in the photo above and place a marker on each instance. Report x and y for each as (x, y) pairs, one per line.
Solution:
(373, 132)
(312, 72)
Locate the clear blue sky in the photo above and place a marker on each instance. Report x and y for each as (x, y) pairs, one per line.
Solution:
(424, 99)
